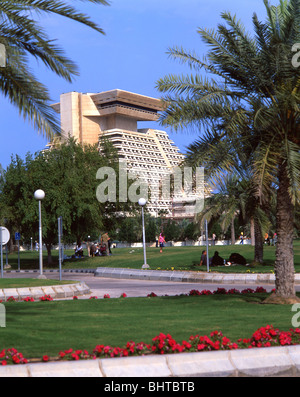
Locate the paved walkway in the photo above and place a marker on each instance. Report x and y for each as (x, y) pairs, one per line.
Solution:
(166, 282)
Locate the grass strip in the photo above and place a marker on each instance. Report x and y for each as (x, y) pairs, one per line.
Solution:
(39, 328)
(173, 258)
(30, 282)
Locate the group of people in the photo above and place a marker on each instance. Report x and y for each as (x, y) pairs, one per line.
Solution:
(217, 260)
(268, 240)
(95, 249)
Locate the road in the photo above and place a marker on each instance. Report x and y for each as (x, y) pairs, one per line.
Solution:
(135, 288)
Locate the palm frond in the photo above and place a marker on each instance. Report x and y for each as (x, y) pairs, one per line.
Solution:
(23, 37)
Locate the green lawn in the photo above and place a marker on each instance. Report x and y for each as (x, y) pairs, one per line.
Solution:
(38, 328)
(28, 282)
(177, 258)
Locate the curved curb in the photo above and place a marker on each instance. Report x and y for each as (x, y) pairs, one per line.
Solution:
(189, 277)
(256, 362)
(56, 291)
(169, 275)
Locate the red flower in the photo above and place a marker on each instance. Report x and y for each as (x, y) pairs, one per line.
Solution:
(46, 298)
(16, 359)
(28, 299)
(152, 295)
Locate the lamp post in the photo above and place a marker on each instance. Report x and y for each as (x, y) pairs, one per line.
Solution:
(40, 195)
(142, 202)
(207, 254)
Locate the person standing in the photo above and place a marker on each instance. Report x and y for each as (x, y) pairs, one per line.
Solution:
(109, 245)
(161, 241)
(104, 240)
(214, 239)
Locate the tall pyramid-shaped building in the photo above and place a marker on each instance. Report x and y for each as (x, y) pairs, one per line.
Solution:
(148, 153)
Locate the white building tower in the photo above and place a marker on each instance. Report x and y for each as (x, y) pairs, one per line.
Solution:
(148, 153)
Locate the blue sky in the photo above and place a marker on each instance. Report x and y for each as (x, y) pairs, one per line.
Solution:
(131, 56)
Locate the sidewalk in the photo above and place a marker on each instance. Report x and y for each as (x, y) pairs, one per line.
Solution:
(56, 292)
(81, 289)
(256, 362)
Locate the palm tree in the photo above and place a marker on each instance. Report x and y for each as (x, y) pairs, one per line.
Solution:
(22, 36)
(227, 164)
(256, 85)
(225, 205)
(235, 199)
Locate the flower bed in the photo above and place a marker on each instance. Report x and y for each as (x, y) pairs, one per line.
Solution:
(194, 292)
(166, 344)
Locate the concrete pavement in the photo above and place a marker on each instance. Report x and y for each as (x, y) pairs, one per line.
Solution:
(257, 362)
(133, 282)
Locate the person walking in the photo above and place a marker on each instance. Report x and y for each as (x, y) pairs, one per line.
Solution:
(242, 238)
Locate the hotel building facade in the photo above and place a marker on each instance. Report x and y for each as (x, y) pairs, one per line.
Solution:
(149, 154)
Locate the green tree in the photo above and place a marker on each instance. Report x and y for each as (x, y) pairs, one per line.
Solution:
(255, 84)
(190, 232)
(67, 174)
(151, 228)
(24, 38)
(226, 205)
(130, 230)
(172, 231)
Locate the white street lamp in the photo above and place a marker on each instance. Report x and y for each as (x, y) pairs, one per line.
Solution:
(40, 195)
(142, 202)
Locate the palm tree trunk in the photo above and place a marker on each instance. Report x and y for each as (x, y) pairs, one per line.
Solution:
(259, 246)
(232, 232)
(284, 265)
(49, 246)
(252, 231)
